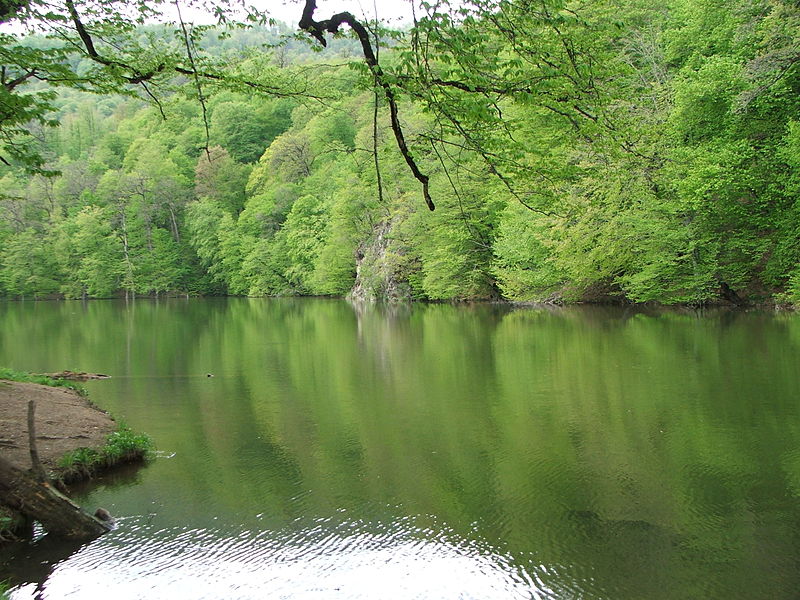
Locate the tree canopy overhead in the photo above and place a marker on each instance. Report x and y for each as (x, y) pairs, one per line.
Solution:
(105, 47)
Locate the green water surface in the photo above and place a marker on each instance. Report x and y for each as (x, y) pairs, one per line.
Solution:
(429, 451)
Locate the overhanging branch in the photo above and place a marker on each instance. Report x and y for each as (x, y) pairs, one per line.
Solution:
(317, 30)
(132, 75)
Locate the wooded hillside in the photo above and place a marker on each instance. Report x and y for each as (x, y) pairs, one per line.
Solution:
(575, 150)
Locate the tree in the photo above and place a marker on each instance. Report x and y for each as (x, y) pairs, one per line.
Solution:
(575, 151)
(29, 267)
(90, 254)
(218, 177)
(245, 130)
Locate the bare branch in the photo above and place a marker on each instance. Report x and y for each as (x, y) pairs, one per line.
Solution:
(155, 99)
(200, 96)
(317, 30)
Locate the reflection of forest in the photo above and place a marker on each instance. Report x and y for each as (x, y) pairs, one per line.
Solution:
(653, 451)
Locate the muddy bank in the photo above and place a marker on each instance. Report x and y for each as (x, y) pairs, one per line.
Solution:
(65, 421)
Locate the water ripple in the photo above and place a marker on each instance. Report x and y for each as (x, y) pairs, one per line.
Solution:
(332, 558)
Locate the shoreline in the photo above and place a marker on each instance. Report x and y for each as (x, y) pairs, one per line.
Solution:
(75, 439)
(556, 303)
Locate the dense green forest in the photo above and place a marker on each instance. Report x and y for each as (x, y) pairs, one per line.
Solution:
(576, 151)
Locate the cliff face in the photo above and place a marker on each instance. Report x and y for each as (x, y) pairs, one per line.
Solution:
(380, 268)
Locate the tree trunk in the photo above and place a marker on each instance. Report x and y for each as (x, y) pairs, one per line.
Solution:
(36, 465)
(40, 501)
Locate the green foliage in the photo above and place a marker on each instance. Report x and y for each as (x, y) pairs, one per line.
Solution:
(122, 445)
(89, 254)
(29, 267)
(302, 230)
(220, 178)
(245, 130)
(575, 151)
(522, 262)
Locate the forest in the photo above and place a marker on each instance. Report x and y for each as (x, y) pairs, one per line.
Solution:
(573, 150)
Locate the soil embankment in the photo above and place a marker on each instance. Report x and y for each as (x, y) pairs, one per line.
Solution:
(65, 421)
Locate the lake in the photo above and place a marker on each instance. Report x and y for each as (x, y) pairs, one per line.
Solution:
(428, 451)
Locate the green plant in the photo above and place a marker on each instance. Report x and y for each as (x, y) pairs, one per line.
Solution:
(25, 377)
(79, 457)
(122, 445)
(79, 463)
(6, 524)
(125, 444)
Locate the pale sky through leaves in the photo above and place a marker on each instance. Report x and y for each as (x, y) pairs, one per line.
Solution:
(387, 9)
(289, 11)
(392, 12)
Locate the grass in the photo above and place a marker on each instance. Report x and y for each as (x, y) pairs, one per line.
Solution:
(24, 377)
(122, 445)
(9, 526)
(4, 590)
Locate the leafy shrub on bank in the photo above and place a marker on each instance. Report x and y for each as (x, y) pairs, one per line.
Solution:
(122, 445)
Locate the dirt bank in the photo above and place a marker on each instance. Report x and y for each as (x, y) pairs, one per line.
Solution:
(64, 421)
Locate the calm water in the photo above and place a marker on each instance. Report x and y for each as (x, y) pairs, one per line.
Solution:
(429, 451)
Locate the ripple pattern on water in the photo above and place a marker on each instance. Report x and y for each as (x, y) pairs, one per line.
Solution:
(329, 559)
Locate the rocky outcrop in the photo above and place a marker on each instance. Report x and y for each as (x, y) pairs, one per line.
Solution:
(380, 268)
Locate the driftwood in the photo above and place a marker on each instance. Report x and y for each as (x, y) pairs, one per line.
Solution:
(75, 375)
(21, 492)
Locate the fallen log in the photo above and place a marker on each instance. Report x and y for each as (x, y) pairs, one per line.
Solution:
(60, 516)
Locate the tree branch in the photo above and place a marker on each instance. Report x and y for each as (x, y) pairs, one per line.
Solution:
(317, 30)
(10, 8)
(10, 85)
(138, 77)
(88, 44)
(200, 96)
